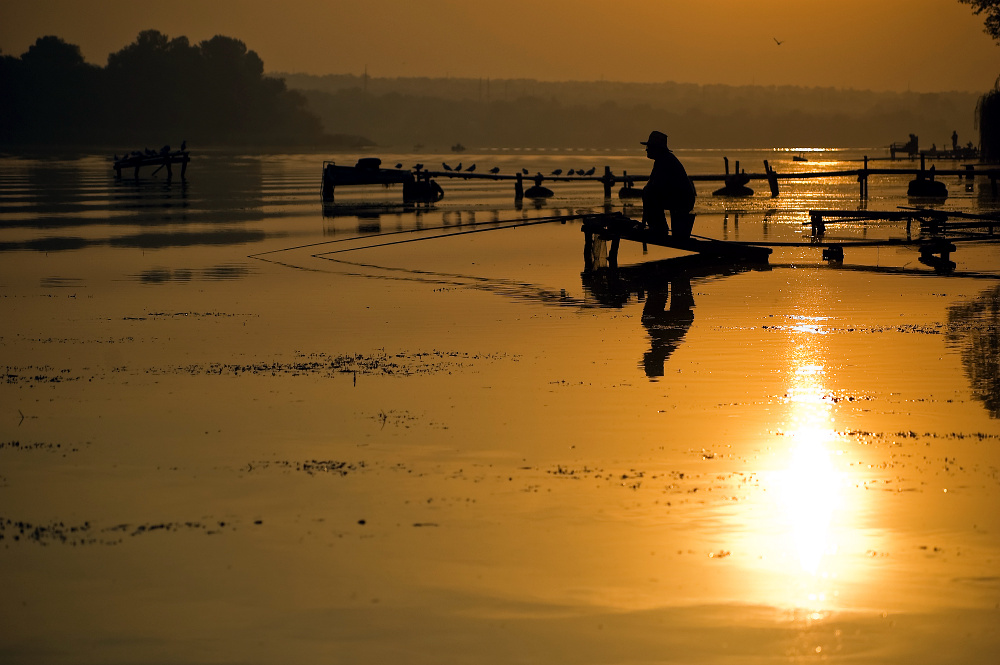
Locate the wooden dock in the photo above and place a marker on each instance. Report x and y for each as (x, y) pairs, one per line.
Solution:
(163, 159)
(932, 221)
(360, 175)
(936, 242)
(617, 227)
(418, 187)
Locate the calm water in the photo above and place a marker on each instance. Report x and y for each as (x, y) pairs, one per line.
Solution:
(238, 425)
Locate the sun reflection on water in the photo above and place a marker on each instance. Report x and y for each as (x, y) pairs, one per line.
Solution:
(808, 486)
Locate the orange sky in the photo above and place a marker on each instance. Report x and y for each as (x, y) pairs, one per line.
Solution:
(922, 45)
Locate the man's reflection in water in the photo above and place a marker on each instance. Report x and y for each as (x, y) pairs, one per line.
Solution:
(664, 287)
(666, 316)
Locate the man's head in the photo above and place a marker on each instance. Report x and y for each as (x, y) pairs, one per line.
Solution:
(656, 143)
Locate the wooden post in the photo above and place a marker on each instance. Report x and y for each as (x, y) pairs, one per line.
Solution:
(970, 172)
(519, 188)
(184, 166)
(613, 252)
(863, 179)
(772, 179)
(726, 160)
(328, 182)
(608, 181)
(818, 226)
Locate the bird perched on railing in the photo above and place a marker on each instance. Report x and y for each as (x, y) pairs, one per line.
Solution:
(557, 172)
(471, 169)
(446, 167)
(495, 170)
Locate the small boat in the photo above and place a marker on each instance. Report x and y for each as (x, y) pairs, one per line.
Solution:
(799, 158)
(458, 147)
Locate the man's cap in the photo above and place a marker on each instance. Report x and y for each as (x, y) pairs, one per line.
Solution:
(655, 138)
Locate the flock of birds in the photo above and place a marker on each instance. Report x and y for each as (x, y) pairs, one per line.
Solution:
(496, 169)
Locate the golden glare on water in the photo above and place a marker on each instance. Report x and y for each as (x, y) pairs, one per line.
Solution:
(807, 486)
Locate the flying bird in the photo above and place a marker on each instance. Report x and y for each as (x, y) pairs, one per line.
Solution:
(777, 42)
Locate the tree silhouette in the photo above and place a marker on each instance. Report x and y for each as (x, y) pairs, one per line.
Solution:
(992, 10)
(153, 90)
(988, 108)
(46, 91)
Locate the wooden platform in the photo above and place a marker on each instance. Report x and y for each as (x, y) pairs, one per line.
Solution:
(617, 227)
(165, 158)
(930, 220)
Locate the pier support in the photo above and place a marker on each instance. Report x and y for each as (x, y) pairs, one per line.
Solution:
(863, 180)
(818, 225)
(833, 254)
(937, 254)
(609, 180)
(772, 179)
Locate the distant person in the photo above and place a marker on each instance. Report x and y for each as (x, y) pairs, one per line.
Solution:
(668, 188)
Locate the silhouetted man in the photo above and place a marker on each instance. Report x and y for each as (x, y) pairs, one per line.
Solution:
(668, 188)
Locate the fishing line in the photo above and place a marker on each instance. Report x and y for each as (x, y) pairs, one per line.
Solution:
(534, 220)
(456, 233)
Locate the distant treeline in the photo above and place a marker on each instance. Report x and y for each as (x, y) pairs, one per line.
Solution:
(153, 91)
(403, 112)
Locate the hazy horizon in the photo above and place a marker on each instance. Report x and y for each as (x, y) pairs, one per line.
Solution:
(898, 45)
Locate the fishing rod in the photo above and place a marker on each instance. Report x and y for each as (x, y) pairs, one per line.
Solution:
(532, 222)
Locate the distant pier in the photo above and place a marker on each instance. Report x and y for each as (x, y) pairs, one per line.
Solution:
(163, 159)
(371, 174)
